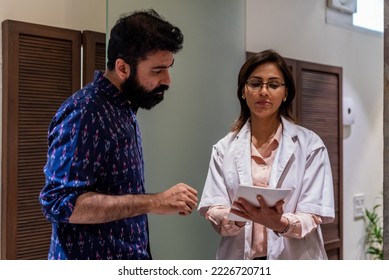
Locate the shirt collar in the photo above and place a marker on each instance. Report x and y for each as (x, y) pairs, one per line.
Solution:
(273, 144)
(110, 90)
(278, 134)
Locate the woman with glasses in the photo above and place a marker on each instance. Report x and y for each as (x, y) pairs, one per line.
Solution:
(265, 148)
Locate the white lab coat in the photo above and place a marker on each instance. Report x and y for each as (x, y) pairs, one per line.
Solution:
(301, 163)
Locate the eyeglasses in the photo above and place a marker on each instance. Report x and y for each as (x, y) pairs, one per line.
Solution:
(256, 85)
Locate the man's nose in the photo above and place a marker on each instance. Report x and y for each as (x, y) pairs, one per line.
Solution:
(166, 79)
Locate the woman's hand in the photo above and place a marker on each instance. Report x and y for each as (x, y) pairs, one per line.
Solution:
(270, 217)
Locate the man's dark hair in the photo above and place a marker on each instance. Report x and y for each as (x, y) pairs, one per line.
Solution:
(139, 34)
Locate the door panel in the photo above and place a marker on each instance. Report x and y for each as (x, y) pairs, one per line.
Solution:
(41, 68)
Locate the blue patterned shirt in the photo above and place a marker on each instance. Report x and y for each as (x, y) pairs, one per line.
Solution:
(94, 145)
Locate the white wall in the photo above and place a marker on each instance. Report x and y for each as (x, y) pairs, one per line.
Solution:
(71, 14)
(298, 29)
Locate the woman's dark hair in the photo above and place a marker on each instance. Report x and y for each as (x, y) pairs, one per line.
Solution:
(245, 71)
(139, 34)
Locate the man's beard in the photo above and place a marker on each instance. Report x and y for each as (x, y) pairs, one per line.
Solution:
(141, 97)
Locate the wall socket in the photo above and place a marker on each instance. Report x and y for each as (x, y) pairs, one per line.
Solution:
(359, 205)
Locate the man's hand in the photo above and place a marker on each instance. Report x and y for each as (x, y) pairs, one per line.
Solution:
(181, 199)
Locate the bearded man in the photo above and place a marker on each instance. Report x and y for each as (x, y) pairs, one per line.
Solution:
(94, 194)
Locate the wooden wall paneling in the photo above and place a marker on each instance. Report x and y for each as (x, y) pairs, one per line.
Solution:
(386, 132)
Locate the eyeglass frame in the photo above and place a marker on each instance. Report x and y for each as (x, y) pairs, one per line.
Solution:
(267, 85)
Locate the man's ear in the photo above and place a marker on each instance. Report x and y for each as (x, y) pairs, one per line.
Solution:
(122, 69)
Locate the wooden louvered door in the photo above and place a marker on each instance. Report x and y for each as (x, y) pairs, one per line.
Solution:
(41, 68)
(94, 54)
(319, 106)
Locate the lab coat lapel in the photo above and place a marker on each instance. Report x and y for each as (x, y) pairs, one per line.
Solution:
(242, 155)
(285, 155)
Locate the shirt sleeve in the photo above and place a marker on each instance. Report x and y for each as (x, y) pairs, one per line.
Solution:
(217, 215)
(317, 195)
(301, 224)
(73, 159)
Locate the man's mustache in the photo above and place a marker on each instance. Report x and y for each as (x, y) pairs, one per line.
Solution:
(160, 89)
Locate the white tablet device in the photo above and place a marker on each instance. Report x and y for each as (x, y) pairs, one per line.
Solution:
(250, 193)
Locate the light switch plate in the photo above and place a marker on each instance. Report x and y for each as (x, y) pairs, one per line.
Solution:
(359, 205)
